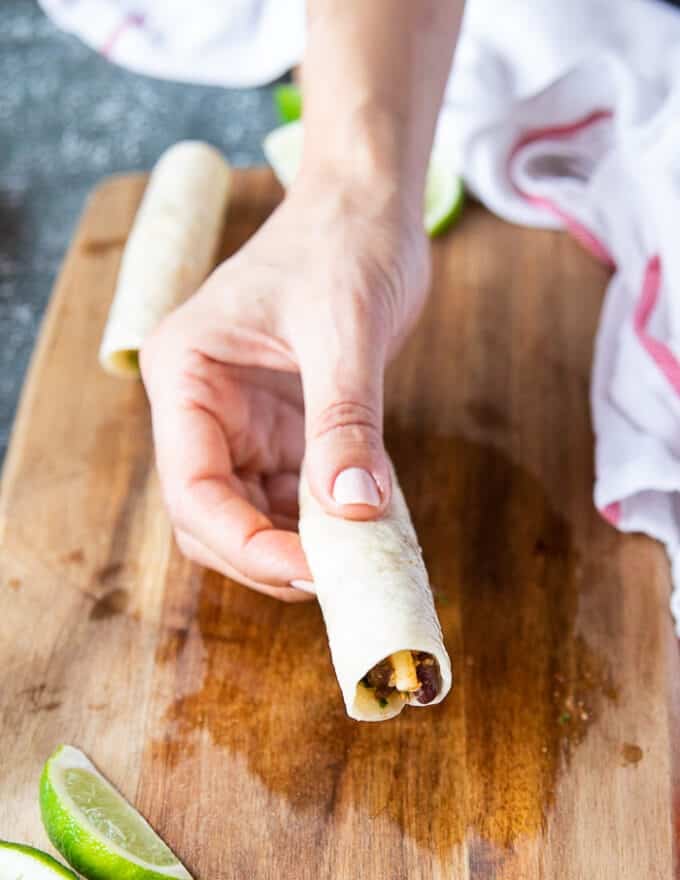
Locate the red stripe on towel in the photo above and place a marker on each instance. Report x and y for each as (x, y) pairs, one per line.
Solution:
(580, 232)
(662, 356)
(612, 513)
(659, 352)
(131, 20)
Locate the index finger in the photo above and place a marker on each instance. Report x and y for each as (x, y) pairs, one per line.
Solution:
(195, 469)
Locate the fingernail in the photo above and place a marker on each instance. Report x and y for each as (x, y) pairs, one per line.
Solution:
(356, 486)
(305, 586)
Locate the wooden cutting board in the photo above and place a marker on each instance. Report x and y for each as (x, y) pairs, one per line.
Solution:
(553, 757)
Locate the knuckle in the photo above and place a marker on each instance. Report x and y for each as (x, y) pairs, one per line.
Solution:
(359, 421)
(168, 345)
(197, 383)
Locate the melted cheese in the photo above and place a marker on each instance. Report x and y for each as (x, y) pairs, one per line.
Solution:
(405, 676)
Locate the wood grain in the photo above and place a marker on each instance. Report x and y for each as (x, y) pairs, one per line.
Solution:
(555, 756)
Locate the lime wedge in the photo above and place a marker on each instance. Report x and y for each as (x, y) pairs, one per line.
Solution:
(19, 862)
(444, 192)
(444, 196)
(95, 828)
(283, 150)
(288, 102)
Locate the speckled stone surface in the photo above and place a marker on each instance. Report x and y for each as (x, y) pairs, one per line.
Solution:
(67, 119)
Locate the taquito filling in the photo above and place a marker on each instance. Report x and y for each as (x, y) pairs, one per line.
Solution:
(411, 674)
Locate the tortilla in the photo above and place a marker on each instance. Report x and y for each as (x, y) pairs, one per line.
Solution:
(171, 249)
(374, 592)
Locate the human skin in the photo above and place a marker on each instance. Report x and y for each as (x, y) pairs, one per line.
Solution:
(281, 353)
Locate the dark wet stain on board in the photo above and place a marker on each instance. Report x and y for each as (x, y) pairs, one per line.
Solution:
(631, 754)
(97, 246)
(486, 416)
(107, 572)
(39, 698)
(236, 649)
(111, 603)
(577, 695)
(48, 707)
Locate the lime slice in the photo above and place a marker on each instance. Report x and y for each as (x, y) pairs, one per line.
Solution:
(444, 192)
(20, 862)
(288, 102)
(95, 828)
(444, 196)
(283, 150)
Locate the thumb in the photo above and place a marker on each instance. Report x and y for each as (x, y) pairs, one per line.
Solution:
(346, 465)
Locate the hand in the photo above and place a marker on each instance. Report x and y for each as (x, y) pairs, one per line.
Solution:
(279, 356)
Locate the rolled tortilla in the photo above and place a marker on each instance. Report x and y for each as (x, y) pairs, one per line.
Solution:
(375, 596)
(171, 248)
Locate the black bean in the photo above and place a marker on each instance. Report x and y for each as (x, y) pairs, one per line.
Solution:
(430, 680)
(379, 679)
(380, 675)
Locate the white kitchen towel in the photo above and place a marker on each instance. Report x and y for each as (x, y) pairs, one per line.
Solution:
(214, 42)
(561, 115)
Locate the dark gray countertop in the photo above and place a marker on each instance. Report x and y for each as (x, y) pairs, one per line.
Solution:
(67, 119)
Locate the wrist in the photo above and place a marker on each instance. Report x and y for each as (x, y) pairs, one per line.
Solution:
(336, 192)
(362, 161)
